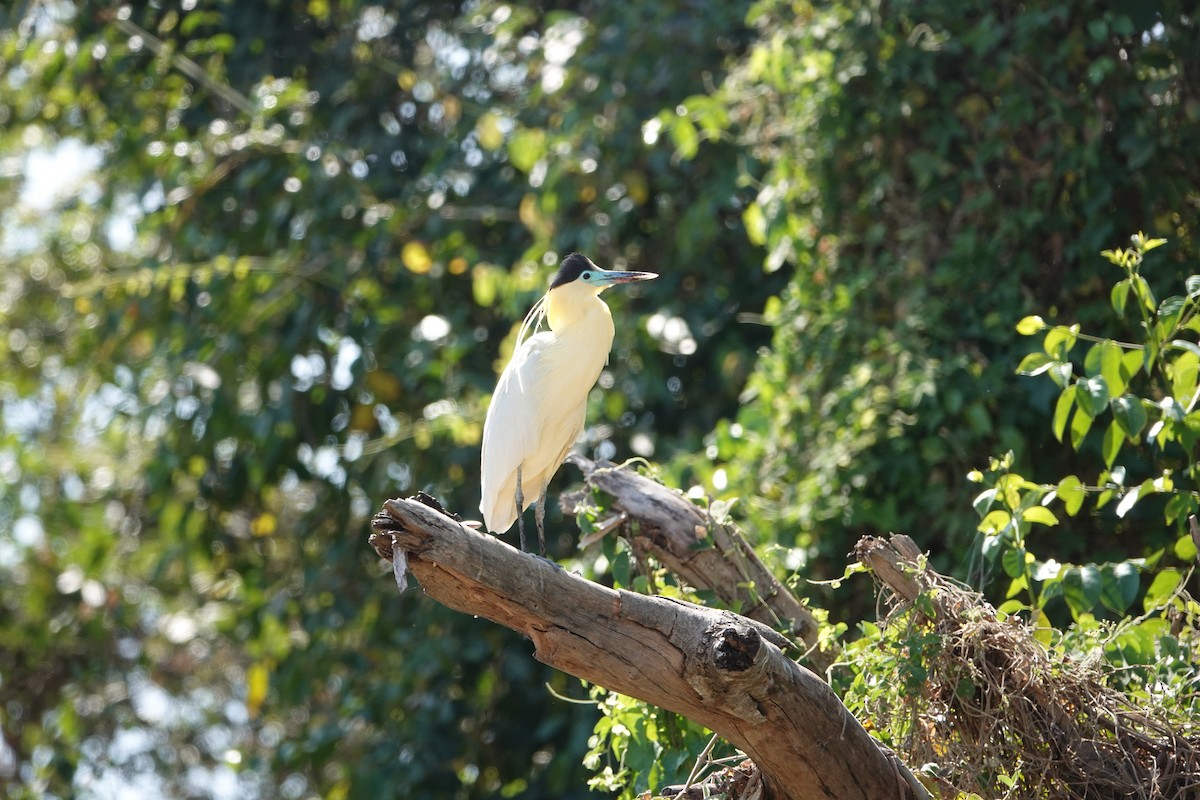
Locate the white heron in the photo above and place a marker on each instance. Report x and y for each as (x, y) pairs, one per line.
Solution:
(540, 403)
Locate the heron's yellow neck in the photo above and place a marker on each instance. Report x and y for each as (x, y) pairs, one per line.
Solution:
(576, 303)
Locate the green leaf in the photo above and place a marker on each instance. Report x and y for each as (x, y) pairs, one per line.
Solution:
(1059, 341)
(1034, 364)
(1130, 414)
(1091, 361)
(1169, 311)
(1061, 372)
(1184, 344)
(991, 545)
(1120, 296)
(1041, 515)
(1031, 325)
(1070, 490)
(995, 522)
(1171, 409)
(755, 223)
(1179, 507)
(1119, 586)
(1142, 290)
(1081, 589)
(526, 147)
(1183, 372)
(1007, 609)
(1013, 561)
(1149, 355)
(1112, 367)
(1131, 362)
(1081, 423)
(1185, 548)
(1162, 588)
(1062, 410)
(1092, 395)
(622, 568)
(983, 501)
(1111, 445)
(687, 140)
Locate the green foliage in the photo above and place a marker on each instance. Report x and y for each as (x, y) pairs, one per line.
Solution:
(635, 747)
(1162, 369)
(1011, 506)
(299, 239)
(1148, 387)
(933, 171)
(277, 292)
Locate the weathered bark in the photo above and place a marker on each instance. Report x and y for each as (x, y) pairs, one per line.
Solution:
(705, 553)
(714, 667)
(894, 562)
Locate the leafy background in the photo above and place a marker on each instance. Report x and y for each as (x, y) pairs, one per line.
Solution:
(264, 260)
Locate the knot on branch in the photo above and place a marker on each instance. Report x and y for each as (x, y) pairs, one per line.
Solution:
(727, 666)
(735, 647)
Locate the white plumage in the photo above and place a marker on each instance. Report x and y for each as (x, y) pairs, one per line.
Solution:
(539, 407)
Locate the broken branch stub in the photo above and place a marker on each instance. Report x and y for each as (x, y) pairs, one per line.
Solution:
(705, 553)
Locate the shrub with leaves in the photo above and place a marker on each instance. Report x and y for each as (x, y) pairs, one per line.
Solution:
(1143, 394)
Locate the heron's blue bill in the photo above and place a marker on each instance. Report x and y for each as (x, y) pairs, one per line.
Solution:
(611, 277)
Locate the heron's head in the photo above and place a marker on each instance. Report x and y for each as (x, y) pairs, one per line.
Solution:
(576, 268)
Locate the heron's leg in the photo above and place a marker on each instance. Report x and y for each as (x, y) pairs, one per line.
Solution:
(540, 516)
(520, 502)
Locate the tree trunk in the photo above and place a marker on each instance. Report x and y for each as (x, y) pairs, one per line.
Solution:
(717, 668)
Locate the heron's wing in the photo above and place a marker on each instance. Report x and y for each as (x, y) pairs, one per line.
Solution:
(510, 434)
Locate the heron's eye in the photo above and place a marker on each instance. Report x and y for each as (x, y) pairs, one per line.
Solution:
(587, 276)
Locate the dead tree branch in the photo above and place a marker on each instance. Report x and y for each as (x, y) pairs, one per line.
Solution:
(714, 667)
(705, 553)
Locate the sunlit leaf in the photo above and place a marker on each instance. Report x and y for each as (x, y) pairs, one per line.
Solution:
(1110, 447)
(1162, 588)
(1041, 515)
(756, 224)
(526, 147)
(416, 257)
(1081, 423)
(1092, 395)
(1062, 411)
(1030, 325)
(995, 521)
(1034, 364)
(1130, 415)
(1071, 492)
(1120, 296)
(1059, 341)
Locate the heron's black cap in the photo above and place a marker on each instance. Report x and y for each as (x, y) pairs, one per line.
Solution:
(570, 269)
